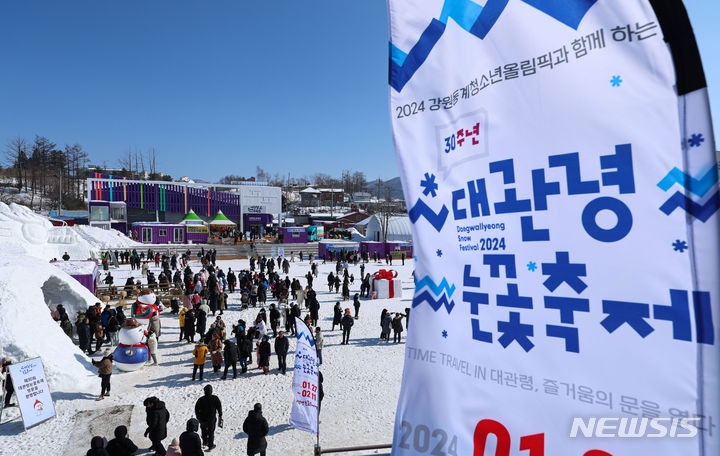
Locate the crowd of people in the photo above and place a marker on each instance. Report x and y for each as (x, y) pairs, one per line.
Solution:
(229, 347)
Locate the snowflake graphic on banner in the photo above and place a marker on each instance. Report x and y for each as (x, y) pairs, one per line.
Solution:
(429, 186)
(438, 252)
(696, 139)
(532, 266)
(616, 81)
(444, 334)
(679, 246)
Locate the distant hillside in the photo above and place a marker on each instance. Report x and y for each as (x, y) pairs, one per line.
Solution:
(394, 186)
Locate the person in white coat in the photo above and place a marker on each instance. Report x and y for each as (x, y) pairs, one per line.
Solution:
(152, 346)
(319, 342)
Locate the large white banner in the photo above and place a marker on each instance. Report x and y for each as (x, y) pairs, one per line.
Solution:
(305, 386)
(34, 399)
(560, 173)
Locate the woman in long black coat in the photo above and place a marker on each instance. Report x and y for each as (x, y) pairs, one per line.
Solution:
(337, 315)
(264, 354)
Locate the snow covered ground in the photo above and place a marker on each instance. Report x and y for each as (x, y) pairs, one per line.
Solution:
(361, 384)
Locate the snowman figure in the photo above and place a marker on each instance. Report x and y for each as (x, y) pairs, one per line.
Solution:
(144, 307)
(39, 407)
(130, 354)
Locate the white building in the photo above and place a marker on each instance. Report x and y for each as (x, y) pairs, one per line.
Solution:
(398, 228)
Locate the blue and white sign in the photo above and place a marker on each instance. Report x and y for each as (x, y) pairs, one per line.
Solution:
(305, 386)
(31, 388)
(560, 173)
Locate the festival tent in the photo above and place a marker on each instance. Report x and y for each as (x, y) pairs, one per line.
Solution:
(221, 220)
(192, 219)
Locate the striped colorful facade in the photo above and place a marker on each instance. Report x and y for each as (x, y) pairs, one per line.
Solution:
(169, 197)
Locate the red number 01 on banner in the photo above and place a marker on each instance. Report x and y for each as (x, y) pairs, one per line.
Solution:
(535, 443)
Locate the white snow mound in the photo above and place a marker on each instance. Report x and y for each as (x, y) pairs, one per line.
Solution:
(28, 286)
(23, 232)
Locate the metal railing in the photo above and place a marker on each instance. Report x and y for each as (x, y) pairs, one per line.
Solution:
(319, 450)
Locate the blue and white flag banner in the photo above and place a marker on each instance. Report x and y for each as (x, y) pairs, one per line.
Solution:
(305, 386)
(560, 173)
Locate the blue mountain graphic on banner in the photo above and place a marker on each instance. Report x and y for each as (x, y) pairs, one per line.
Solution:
(476, 20)
(437, 289)
(696, 186)
(423, 210)
(311, 340)
(702, 212)
(436, 295)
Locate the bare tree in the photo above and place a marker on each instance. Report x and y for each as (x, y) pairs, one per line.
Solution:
(126, 163)
(16, 157)
(152, 162)
(386, 209)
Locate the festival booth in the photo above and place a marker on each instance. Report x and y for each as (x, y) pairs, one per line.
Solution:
(191, 218)
(159, 233)
(219, 225)
(316, 233)
(220, 222)
(196, 231)
(385, 284)
(257, 223)
(396, 249)
(108, 214)
(326, 246)
(372, 248)
(294, 235)
(84, 271)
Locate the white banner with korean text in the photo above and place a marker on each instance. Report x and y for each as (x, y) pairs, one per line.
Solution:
(560, 173)
(305, 386)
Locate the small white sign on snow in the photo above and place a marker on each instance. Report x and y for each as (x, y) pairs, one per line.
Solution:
(33, 393)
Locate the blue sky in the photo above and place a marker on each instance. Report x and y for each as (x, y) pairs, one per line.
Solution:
(218, 87)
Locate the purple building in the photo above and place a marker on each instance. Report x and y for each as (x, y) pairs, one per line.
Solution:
(336, 245)
(256, 223)
(84, 271)
(395, 249)
(108, 214)
(167, 233)
(294, 235)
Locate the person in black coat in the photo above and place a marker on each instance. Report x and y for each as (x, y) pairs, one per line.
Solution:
(83, 332)
(313, 306)
(256, 427)
(282, 345)
(246, 349)
(356, 304)
(337, 315)
(190, 318)
(232, 355)
(97, 447)
(121, 445)
(346, 323)
(397, 327)
(157, 418)
(264, 352)
(190, 444)
(294, 313)
(274, 319)
(200, 322)
(205, 410)
(231, 280)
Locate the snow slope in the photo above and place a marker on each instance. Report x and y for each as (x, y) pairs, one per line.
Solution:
(27, 329)
(362, 384)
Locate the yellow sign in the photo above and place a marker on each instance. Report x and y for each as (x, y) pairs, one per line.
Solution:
(196, 229)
